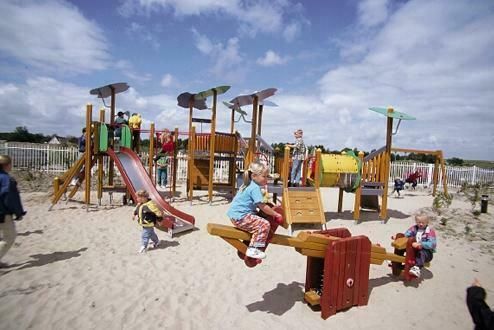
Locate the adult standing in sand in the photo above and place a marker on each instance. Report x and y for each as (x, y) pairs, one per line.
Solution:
(10, 205)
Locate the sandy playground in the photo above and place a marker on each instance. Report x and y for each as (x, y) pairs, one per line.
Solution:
(76, 269)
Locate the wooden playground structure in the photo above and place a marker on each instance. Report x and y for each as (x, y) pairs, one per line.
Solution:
(205, 148)
(99, 144)
(367, 177)
(438, 164)
(337, 273)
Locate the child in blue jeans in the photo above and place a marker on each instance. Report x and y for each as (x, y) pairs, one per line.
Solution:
(425, 242)
(147, 213)
(242, 212)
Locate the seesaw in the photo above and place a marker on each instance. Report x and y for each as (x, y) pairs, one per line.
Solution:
(337, 275)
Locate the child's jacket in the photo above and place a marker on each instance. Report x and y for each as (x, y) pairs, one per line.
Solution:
(428, 239)
(148, 213)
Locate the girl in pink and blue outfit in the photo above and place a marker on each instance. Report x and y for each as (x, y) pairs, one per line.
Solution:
(425, 242)
(242, 211)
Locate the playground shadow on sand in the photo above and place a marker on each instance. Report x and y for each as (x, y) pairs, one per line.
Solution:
(27, 233)
(364, 215)
(279, 300)
(415, 283)
(44, 259)
(165, 245)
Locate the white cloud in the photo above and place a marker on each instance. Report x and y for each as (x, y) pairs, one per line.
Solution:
(167, 80)
(128, 70)
(271, 58)
(430, 60)
(52, 35)
(139, 32)
(227, 60)
(40, 104)
(292, 31)
(253, 17)
(372, 12)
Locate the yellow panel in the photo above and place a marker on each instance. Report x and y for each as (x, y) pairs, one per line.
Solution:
(332, 163)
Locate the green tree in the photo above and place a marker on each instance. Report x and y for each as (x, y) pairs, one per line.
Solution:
(455, 161)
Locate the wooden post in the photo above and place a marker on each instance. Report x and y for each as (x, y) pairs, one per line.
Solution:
(252, 142)
(317, 169)
(111, 166)
(100, 158)
(212, 140)
(387, 158)
(358, 192)
(259, 121)
(232, 122)
(191, 161)
(175, 161)
(286, 167)
(444, 177)
(88, 153)
(151, 152)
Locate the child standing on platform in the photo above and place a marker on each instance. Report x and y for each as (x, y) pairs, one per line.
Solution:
(298, 157)
(162, 165)
(242, 211)
(425, 242)
(147, 213)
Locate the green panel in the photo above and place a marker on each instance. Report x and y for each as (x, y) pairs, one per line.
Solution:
(210, 92)
(394, 114)
(103, 138)
(125, 137)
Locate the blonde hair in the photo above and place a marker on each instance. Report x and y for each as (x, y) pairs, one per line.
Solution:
(142, 193)
(256, 168)
(424, 216)
(4, 161)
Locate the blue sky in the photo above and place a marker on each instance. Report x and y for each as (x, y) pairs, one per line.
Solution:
(330, 60)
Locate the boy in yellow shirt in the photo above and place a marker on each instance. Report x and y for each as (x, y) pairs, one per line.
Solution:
(135, 122)
(147, 213)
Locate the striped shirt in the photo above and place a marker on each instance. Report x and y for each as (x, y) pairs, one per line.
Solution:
(299, 149)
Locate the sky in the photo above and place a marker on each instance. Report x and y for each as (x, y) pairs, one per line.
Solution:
(330, 61)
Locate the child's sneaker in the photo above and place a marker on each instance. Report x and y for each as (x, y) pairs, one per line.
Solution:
(415, 271)
(156, 245)
(255, 253)
(142, 249)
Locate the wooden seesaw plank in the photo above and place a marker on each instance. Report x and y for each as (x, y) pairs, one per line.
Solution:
(231, 232)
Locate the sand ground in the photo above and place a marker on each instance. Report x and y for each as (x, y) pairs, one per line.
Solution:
(78, 268)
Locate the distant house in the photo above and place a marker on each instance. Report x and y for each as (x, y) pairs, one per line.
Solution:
(55, 139)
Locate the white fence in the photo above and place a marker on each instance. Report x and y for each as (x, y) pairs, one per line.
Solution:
(55, 159)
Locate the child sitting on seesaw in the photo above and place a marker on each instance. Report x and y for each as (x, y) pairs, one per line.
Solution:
(425, 242)
(242, 212)
(147, 213)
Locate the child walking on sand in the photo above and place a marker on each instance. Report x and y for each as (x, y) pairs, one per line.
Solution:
(399, 185)
(10, 205)
(147, 213)
(242, 211)
(425, 242)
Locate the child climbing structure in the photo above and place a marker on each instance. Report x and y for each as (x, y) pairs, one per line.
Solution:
(132, 171)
